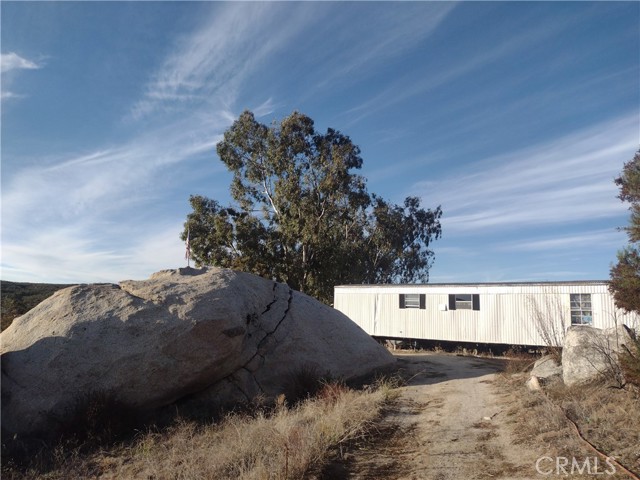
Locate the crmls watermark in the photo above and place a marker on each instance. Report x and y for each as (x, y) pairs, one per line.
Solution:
(571, 466)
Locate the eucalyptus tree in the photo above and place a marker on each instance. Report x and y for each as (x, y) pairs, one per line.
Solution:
(302, 215)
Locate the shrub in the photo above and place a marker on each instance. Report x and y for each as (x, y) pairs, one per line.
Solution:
(630, 363)
(100, 418)
(549, 319)
(518, 361)
(303, 383)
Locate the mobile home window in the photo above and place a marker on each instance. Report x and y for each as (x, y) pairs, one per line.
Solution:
(413, 300)
(581, 313)
(464, 301)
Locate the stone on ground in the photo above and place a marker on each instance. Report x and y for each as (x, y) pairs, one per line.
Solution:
(546, 367)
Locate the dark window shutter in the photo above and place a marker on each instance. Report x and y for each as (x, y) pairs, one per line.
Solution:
(423, 301)
(402, 300)
(452, 302)
(476, 301)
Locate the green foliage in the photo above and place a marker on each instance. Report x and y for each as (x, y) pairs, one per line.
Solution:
(18, 298)
(629, 183)
(303, 217)
(625, 279)
(630, 363)
(625, 275)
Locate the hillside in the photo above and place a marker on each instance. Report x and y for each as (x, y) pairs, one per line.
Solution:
(17, 298)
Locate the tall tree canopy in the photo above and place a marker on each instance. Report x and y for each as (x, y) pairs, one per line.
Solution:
(625, 275)
(303, 217)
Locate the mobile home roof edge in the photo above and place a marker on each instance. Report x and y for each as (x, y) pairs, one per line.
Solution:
(474, 284)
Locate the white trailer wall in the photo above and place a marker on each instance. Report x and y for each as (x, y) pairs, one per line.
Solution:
(509, 313)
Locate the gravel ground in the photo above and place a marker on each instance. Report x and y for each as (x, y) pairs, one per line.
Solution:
(446, 424)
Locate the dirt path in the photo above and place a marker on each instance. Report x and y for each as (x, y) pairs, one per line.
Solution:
(447, 424)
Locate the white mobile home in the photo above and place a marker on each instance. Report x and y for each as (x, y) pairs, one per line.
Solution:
(489, 313)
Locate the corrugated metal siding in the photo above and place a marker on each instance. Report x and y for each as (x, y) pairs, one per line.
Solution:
(507, 311)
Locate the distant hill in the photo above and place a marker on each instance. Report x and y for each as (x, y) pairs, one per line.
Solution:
(17, 298)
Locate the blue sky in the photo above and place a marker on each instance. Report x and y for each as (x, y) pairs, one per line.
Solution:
(515, 117)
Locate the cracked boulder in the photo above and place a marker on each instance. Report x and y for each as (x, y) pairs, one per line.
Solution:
(229, 335)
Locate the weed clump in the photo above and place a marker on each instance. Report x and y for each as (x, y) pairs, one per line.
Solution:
(303, 383)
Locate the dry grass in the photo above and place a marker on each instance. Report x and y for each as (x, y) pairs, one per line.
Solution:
(518, 362)
(538, 420)
(608, 418)
(285, 443)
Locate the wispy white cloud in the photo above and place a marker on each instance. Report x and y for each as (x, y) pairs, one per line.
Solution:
(565, 181)
(236, 40)
(97, 207)
(13, 61)
(10, 64)
(72, 254)
(65, 254)
(265, 108)
(396, 31)
(89, 217)
(73, 185)
(451, 69)
(213, 62)
(588, 239)
(7, 95)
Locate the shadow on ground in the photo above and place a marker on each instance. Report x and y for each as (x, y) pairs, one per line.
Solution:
(430, 368)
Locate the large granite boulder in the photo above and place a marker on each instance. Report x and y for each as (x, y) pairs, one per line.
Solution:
(590, 353)
(150, 343)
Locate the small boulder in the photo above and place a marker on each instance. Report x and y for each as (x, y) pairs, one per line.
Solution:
(533, 383)
(590, 353)
(179, 333)
(546, 367)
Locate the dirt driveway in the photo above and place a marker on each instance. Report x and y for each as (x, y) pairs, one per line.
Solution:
(447, 424)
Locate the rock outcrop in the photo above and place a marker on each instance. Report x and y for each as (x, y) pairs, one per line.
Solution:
(590, 353)
(150, 343)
